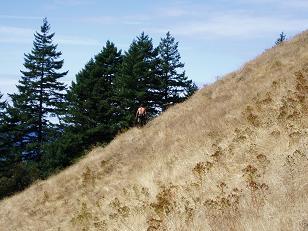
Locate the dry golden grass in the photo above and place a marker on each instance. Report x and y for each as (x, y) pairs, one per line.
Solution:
(233, 157)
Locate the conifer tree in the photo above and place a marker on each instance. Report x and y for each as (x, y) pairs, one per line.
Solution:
(281, 39)
(6, 157)
(15, 174)
(77, 96)
(2, 108)
(175, 86)
(137, 82)
(40, 94)
(91, 98)
(9, 135)
(3, 139)
(91, 110)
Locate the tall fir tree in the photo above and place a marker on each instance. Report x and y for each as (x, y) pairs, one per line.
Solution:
(91, 99)
(77, 96)
(91, 110)
(175, 86)
(6, 155)
(40, 94)
(137, 82)
(9, 136)
(3, 131)
(15, 174)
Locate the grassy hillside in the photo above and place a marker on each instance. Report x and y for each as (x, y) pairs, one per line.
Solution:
(233, 157)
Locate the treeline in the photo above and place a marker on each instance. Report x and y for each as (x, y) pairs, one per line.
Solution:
(47, 125)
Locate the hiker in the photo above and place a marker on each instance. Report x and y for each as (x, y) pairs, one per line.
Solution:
(141, 115)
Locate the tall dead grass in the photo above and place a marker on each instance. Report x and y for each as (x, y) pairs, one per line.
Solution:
(233, 157)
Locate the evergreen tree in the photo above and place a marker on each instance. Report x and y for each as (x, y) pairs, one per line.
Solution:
(6, 160)
(91, 110)
(2, 108)
(281, 39)
(138, 82)
(15, 174)
(91, 98)
(191, 88)
(3, 132)
(77, 96)
(8, 135)
(40, 94)
(175, 86)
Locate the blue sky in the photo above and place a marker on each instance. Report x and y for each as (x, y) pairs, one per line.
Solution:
(215, 36)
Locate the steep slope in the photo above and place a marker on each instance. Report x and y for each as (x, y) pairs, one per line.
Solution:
(233, 157)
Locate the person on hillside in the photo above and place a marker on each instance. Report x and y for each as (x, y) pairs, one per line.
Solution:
(141, 116)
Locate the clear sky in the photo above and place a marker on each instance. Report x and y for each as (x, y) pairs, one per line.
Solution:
(215, 36)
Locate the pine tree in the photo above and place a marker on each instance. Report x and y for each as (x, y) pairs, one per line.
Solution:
(91, 98)
(91, 110)
(77, 97)
(2, 108)
(8, 136)
(137, 82)
(40, 94)
(12, 132)
(175, 86)
(281, 39)
(15, 174)
(6, 157)
(191, 89)
(3, 132)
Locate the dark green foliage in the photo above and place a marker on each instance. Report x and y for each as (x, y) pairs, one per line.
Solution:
(15, 174)
(40, 94)
(175, 86)
(9, 144)
(18, 177)
(138, 80)
(191, 88)
(33, 118)
(281, 39)
(4, 141)
(2, 108)
(92, 111)
(70, 147)
(91, 101)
